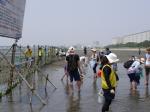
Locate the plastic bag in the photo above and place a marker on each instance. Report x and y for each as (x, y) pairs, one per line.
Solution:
(100, 97)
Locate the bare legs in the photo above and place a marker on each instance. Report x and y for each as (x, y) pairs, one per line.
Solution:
(146, 79)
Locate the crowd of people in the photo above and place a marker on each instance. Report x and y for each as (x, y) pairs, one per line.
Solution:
(104, 65)
(30, 58)
(41, 53)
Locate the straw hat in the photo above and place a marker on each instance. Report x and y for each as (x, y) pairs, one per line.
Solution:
(142, 60)
(148, 49)
(112, 58)
(93, 49)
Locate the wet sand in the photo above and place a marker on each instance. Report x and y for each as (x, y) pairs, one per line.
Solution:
(64, 99)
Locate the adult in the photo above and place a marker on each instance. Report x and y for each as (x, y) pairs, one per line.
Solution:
(94, 62)
(139, 51)
(107, 51)
(147, 66)
(28, 55)
(85, 51)
(108, 81)
(114, 63)
(40, 56)
(73, 67)
(132, 74)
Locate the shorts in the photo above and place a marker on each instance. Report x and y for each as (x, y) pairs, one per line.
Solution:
(74, 75)
(134, 77)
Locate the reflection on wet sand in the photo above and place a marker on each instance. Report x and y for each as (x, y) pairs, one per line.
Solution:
(134, 94)
(66, 98)
(74, 103)
(66, 87)
(146, 92)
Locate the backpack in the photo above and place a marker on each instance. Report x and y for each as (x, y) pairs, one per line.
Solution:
(72, 63)
(128, 63)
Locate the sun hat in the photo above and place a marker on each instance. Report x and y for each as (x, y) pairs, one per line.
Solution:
(148, 49)
(71, 50)
(93, 49)
(112, 58)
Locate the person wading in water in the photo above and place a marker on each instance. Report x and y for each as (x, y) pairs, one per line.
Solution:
(73, 67)
(108, 80)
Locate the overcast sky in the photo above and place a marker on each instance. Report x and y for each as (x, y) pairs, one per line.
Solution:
(68, 22)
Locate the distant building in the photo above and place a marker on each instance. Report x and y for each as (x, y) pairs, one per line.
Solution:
(137, 37)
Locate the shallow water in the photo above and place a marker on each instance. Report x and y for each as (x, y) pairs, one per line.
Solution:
(68, 99)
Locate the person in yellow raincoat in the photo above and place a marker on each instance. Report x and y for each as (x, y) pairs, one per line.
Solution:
(108, 80)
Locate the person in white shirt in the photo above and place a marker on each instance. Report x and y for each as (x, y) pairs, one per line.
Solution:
(147, 66)
(132, 73)
(94, 62)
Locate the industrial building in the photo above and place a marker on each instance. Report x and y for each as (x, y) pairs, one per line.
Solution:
(137, 37)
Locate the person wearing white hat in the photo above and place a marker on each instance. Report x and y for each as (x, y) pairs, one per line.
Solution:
(108, 80)
(73, 67)
(71, 50)
(112, 57)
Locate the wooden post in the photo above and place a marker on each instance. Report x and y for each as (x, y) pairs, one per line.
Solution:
(10, 83)
(45, 51)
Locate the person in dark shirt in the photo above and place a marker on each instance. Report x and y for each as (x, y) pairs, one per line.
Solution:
(108, 80)
(107, 51)
(73, 67)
